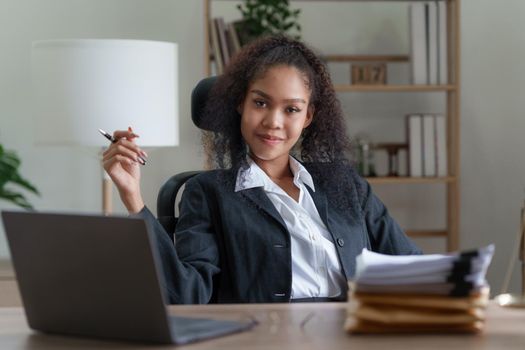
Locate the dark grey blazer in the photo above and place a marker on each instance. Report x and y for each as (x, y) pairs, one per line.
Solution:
(234, 247)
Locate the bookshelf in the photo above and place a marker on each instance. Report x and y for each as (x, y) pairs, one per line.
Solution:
(452, 109)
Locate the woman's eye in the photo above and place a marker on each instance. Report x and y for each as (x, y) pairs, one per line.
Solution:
(292, 110)
(260, 103)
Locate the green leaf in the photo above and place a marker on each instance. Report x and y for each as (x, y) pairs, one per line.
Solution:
(268, 16)
(9, 164)
(17, 179)
(15, 198)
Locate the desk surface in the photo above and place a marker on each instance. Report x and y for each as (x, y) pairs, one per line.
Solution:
(285, 326)
(6, 270)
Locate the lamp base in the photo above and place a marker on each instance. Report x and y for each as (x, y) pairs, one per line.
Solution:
(510, 300)
(107, 194)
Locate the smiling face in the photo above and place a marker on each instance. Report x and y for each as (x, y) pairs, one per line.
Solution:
(274, 113)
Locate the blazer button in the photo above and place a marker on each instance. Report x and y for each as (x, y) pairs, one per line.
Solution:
(340, 242)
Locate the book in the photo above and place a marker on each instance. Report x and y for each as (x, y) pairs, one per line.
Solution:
(243, 32)
(442, 42)
(215, 47)
(429, 146)
(357, 326)
(372, 313)
(223, 44)
(415, 155)
(432, 42)
(476, 300)
(441, 145)
(234, 38)
(418, 51)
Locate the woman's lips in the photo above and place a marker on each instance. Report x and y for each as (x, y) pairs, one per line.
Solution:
(270, 139)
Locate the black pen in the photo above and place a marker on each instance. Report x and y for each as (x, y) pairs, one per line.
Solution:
(113, 140)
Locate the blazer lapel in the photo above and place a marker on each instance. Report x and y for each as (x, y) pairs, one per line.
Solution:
(257, 196)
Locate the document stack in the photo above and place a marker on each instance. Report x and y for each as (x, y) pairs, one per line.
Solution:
(419, 294)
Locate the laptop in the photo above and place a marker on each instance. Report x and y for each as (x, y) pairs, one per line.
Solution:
(97, 276)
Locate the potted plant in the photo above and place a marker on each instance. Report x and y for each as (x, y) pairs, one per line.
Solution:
(9, 164)
(266, 17)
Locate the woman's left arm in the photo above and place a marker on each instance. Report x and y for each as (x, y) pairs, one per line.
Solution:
(386, 236)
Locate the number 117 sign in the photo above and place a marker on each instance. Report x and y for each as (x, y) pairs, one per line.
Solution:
(374, 73)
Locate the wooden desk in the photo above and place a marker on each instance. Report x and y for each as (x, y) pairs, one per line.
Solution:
(280, 328)
(9, 295)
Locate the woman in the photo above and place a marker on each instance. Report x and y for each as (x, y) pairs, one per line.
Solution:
(285, 214)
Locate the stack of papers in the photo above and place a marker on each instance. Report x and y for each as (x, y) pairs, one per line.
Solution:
(426, 293)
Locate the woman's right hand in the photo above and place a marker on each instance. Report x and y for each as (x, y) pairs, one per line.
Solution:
(122, 163)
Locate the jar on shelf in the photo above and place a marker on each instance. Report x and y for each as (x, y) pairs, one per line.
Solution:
(363, 155)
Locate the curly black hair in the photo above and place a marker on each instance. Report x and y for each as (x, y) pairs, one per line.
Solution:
(324, 144)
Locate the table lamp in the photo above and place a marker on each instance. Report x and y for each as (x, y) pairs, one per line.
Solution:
(80, 86)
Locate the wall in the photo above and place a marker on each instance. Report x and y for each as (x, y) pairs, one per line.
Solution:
(492, 124)
(493, 128)
(70, 179)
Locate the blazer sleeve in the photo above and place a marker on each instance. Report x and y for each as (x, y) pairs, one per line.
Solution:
(386, 236)
(190, 264)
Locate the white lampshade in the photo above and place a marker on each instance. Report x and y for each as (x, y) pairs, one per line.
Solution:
(80, 86)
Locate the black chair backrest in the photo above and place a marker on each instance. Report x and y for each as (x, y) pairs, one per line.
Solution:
(199, 96)
(168, 192)
(167, 197)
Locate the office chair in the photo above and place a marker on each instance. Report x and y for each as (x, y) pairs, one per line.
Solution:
(168, 192)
